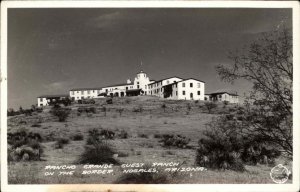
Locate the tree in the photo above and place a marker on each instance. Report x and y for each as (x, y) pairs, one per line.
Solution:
(210, 106)
(268, 65)
(164, 106)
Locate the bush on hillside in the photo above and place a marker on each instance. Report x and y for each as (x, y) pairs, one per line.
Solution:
(210, 106)
(24, 145)
(61, 113)
(77, 137)
(93, 136)
(226, 147)
(170, 140)
(98, 153)
(60, 142)
(107, 134)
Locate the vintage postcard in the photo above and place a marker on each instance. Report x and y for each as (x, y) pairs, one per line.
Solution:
(149, 96)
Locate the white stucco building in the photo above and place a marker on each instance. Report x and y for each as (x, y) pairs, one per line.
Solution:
(186, 89)
(169, 88)
(220, 96)
(45, 100)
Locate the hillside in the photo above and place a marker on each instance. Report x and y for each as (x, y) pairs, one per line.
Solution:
(144, 120)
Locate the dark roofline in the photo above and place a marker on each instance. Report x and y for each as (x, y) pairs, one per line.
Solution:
(118, 85)
(216, 93)
(164, 79)
(193, 79)
(81, 89)
(52, 96)
(183, 81)
(132, 90)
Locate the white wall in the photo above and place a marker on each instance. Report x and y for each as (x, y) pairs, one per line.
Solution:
(157, 88)
(42, 102)
(188, 90)
(141, 81)
(79, 94)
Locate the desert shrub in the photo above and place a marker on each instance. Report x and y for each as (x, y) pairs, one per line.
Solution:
(142, 135)
(107, 134)
(77, 137)
(157, 136)
(93, 110)
(127, 101)
(226, 147)
(196, 101)
(98, 153)
(61, 113)
(39, 109)
(122, 134)
(80, 109)
(170, 140)
(225, 103)
(36, 125)
(164, 106)
(188, 107)
(109, 101)
(144, 177)
(210, 106)
(104, 109)
(120, 111)
(60, 142)
(24, 145)
(93, 136)
(138, 109)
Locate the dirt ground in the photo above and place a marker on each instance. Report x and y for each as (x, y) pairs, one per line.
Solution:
(140, 147)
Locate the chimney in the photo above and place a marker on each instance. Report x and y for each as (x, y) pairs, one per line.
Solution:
(128, 81)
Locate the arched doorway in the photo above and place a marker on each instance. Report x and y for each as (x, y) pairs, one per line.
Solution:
(116, 94)
(122, 94)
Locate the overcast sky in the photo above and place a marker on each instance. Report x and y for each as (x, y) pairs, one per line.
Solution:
(53, 50)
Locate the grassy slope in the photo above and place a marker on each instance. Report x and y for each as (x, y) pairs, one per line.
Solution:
(175, 120)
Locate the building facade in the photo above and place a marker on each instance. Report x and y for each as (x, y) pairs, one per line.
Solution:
(45, 100)
(187, 89)
(169, 88)
(223, 96)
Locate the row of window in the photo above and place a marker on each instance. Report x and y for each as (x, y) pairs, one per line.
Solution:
(198, 93)
(191, 85)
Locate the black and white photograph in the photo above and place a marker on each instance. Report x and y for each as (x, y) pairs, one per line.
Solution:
(148, 95)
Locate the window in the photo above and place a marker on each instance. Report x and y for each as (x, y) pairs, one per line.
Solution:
(191, 84)
(176, 93)
(138, 86)
(88, 92)
(220, 96)
(161, 89)
(93, 91)
(183, 92)
(126, 88)
(168, 82)
(138, 82)
(198, 92)
(41, 105)
(174, 81)
(106, 90)
(145, 86)
(183, 84)
(82, 92)
(41, 99)
(198, 85)
(77, 91)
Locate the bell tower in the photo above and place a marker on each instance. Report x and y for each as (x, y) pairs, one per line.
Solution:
(141, 81)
